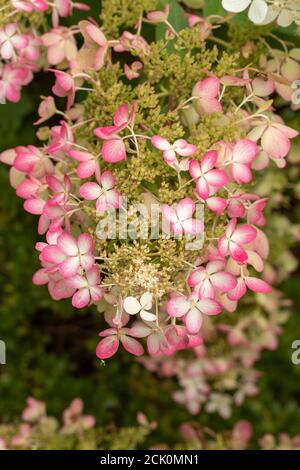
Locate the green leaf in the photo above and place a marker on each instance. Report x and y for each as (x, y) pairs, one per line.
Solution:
(176, 18)
(214, 7)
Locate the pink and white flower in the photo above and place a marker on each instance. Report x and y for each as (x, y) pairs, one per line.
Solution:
(236, 236)
(88, 288)
(192, 309)
(206, 281)
(180, 218)
(11, 41)
(104, 193)
(180, 147)
(112, 337)
(206, 91)
(205, 174)
(68, 255)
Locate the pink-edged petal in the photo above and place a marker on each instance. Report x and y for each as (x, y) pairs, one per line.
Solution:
(193, 226)
(93, 276)
(245, 151)
(81, 299)
(257, 285)
(223, 281)
(238, 291)
(41, 277)
(236, 208)
(77, 282)
(216, 178)
(244, 234)
(209, 161)
(275, 143)
(223, 246)
(209, 306)
(241, 173)
(90, 191)
(122, 115)
(209, 87)
(87, 261)
(216, 204)
(169, 213)
(86, 169)
(160, 143)
(96, 293)
(237, 252)
(113, 199)
(85, 243)
(196, 277)
(193, 321)
(132, 345)
(185, 208)
(52, 254)
(107, 347)
(206, 290)
(107, 180)
(113, 151)
(67, 243)
(69, 267)
(177, 305)
(202, 188)
(194, 169)
(34, 206)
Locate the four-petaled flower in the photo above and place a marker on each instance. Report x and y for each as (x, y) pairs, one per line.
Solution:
(192, 309)
(236, 236)
(206, 281)
(180, 218)
(104, 193)
(133, 306)
(206, 175)
(88, 288)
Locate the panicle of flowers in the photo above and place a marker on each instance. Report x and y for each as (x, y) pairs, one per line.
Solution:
(140, 142)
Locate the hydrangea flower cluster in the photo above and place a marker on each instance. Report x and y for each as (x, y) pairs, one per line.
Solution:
(22, 41)
(182, 135)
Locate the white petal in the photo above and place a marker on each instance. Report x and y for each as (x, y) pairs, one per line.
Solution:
(146, 300)
(131, 305)
(147, 316)
(258, 11)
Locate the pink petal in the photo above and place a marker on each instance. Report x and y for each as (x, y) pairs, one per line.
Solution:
(169, 213)
(193, 321)
(160, 143)
(209, 87)
(241, 173)
(81, 299)
(209, 306)
(209, 160)
(107, 347)
(216, 178)
(237, 252)
(132, 345)
(86, 169)
(90, 191)
(87, 261)
(196, 277)
(275, 143)
(245, 151)
(107, 180)
(244, 234)
(193, 226)
(34, 206)
(185, 208)
(67, 244)
(223, 281)
(194, 169)
(202, 188)
(223, 246)
(177, 305)
(238, 291)
(216, 204)
(52, 254)
(257, 285)
(122, 115)
(69, 267)
(85, 243)
(113, 151)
